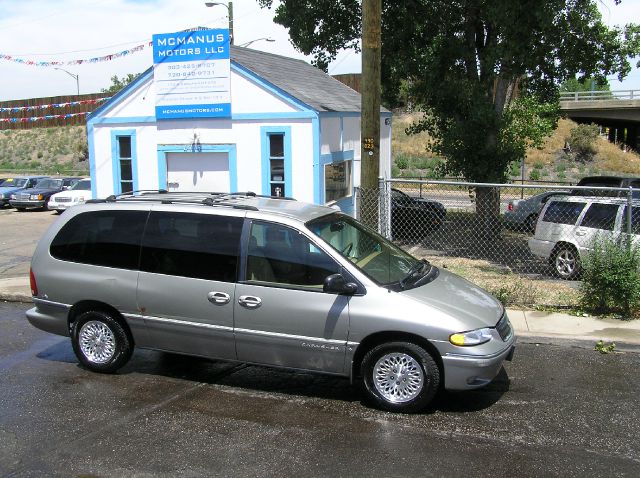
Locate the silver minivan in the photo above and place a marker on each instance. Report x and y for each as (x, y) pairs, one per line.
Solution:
(264, 281)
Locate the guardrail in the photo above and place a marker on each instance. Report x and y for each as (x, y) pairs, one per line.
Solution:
(600, 95)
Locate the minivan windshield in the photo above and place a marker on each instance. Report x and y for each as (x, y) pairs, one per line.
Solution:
(378, 258)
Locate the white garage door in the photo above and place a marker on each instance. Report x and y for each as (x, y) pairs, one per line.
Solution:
(204, 172)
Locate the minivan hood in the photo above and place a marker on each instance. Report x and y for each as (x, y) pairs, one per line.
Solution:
(460, 299)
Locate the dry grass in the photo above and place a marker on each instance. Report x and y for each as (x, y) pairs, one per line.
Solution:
(512, 289)
(412, 145)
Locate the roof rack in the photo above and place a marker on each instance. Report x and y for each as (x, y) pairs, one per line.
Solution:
(189, 197)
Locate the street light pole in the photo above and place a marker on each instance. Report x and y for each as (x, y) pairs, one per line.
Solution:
(229, 7)
(75, 77)
(257, 39)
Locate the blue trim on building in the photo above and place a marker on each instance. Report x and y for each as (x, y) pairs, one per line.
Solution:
(265, 132)
(270, 87)
(317, 169)
(337, 157)
(230, 149)
(92, 162)
(115, 159)
(123, 93)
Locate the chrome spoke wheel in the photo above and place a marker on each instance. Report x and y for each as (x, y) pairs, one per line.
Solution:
(97, 342)
(398, 377)
(565, 262)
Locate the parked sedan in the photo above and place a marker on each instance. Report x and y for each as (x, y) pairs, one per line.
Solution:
(414, 218)
(78, 194)
(14, 185)
(38, 196)
(522, 214)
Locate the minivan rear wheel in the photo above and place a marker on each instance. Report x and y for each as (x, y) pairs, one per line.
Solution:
(400, 377)
(100, 342)
(566, 262)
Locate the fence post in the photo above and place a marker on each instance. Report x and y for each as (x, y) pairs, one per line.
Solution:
(384, 209)
(629, 203)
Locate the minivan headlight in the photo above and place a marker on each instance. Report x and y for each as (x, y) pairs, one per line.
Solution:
(36, 197)
(472, 337)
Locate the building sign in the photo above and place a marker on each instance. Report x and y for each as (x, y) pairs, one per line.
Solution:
(191, 73)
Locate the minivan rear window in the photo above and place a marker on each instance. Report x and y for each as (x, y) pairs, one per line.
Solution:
(563, 212)
(102, 238)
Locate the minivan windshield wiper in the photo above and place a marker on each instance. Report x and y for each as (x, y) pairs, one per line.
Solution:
(417, 268)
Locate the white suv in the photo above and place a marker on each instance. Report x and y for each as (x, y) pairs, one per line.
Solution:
(567, 227)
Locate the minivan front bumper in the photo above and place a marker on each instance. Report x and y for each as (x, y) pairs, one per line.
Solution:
(466, 372)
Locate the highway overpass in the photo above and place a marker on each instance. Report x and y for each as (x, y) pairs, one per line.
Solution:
(619, 111)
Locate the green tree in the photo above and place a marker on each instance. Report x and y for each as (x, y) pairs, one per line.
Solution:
(118, 83)
(585, 84)
(464, 62)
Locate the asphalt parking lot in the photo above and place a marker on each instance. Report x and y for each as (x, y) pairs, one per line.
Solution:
(554, 411)
(19, 234)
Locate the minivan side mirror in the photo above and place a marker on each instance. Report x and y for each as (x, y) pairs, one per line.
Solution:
(336, 284)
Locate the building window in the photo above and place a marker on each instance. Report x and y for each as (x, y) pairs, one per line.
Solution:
(337, 180)
(125, 164)
(276, 165)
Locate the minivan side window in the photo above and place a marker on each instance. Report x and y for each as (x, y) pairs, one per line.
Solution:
(281, 255)
(101, 238)
(600, 216)
(200, 246)
(562, 212)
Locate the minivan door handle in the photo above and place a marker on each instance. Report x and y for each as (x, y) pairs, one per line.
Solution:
(249, 301)
(218, 298)
(581, 232)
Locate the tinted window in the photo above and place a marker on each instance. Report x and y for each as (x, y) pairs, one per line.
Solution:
(192, 245)
(282, 255)
(600, 216)
(563, 212)
(103, 238)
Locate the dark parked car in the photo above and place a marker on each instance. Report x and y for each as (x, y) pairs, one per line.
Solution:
(11, 186)
(414, 218)
(38, 196)
(607, 182)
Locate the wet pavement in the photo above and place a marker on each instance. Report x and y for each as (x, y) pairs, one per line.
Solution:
(554, 411)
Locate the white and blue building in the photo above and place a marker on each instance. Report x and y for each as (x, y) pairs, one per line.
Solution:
(292, 131)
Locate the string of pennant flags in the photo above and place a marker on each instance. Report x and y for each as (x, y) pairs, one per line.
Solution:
(32, 119)
(109, 57)
(15, 109)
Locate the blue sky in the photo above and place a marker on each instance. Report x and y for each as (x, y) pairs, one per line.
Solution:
(66, 30)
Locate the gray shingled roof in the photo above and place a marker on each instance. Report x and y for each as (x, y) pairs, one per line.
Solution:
(299, 79)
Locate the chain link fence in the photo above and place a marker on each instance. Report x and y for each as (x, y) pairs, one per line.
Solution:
(494, 227)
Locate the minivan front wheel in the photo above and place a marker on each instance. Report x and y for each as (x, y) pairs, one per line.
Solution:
(400, 377)
(566, 262)
(100, 342)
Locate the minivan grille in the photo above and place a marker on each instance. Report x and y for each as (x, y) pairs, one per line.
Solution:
(504, 328)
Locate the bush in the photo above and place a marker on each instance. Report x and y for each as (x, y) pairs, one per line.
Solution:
(402, 161)
(582, 141)
(611, 278)
(534, 175)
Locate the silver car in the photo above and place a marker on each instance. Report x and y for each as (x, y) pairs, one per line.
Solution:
(264, 281)
(522, 214)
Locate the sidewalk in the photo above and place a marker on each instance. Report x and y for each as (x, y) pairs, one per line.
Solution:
(527, 323)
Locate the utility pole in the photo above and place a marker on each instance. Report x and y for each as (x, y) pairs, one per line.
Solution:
(370, 110)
